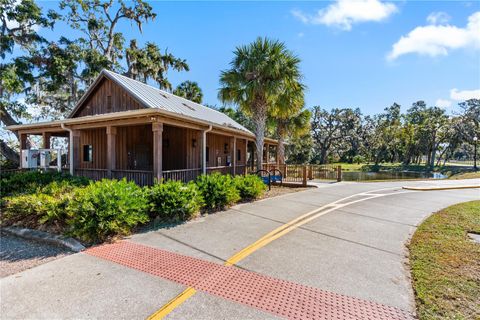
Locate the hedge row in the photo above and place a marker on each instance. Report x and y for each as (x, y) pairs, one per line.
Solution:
(107, 208)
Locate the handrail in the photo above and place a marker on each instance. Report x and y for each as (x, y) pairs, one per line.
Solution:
(181, 170)
(132, 171)
(219, 167)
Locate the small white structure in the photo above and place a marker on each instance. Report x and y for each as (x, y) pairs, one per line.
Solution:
(30, 158)
(41, 158)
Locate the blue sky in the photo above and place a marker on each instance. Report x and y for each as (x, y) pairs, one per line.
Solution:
(344, 50)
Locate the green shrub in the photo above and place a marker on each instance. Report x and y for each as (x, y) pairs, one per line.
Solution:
(106, 208)
(34, 210)
(358, 159)
(30, 181)
(250, 186)
(174, 200)
(218, 190)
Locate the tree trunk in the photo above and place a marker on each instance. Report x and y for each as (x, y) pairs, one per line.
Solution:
(432, 156)
(5, 150)
(7, 119)
(281, 150)
(323, 155)
(260, 118)
(9, 153)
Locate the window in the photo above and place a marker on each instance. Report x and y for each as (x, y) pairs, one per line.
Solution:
(207, 154)
(239, 155)
(87, 153)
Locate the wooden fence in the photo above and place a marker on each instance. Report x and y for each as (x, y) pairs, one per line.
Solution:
(302, 173)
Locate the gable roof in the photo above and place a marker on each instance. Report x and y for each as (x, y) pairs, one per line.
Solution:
(151, 97)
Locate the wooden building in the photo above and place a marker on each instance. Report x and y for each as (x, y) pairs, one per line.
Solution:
(124, 128)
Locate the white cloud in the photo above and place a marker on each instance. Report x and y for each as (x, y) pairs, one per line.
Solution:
(459, 96)
(300, 34)
(344, 13)
(438, 18)
(300, 16)
(435, 40)
(443, 103)
(463, 95)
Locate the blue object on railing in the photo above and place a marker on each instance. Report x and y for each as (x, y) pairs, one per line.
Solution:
(265, 180)
(276, 177)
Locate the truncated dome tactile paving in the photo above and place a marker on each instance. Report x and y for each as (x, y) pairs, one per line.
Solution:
(279, 297)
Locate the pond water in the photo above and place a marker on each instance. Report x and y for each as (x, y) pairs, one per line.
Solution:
(389, 175)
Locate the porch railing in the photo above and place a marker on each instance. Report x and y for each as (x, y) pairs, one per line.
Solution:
(94, 174)
(184, 175)
(291, 173)
(302, 173)
(240, 169)
(221, 169)
(140, 177)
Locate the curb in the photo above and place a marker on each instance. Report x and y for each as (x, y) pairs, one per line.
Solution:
(440, 188)
(43, 236)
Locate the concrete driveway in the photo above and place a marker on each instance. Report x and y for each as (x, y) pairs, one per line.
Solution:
(344, 242)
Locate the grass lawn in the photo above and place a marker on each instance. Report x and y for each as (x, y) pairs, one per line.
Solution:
(466, 175)
(445, 264)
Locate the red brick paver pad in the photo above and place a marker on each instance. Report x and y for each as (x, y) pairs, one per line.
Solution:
(279, 297)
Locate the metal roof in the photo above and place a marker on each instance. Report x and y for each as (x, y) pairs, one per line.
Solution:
(152, 97)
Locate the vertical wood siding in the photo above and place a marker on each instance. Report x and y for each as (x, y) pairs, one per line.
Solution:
(107, 97)
(134, 147)
(216, 148)
(97, 138)
(178, 150)
(241, 147)
(181, 148)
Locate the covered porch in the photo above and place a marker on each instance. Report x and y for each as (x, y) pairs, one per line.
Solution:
(150, 148)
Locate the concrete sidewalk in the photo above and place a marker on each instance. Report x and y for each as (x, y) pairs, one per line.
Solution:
(357, 250)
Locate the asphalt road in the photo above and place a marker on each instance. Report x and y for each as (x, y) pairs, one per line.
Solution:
(355, 247)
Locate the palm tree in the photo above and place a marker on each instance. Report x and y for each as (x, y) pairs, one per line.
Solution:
(261, 74)
(288, 119)
(294, 126)
(189, 90)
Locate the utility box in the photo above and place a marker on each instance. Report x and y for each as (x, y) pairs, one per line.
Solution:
(45, 158)
(41, 159)
(30, 158)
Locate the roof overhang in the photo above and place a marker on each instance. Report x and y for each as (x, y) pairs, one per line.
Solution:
(152, 112)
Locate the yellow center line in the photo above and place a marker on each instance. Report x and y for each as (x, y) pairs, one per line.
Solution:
(172, 304)
(266, 239)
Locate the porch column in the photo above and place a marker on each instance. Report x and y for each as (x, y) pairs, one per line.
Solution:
(157, 128)
(267, 148)
(203, 152)
(23, 146)
(76, 150)
(234, 155)
(23, 141)
(111, 150)
(246, 157)
(204, 149)
(46, 140)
